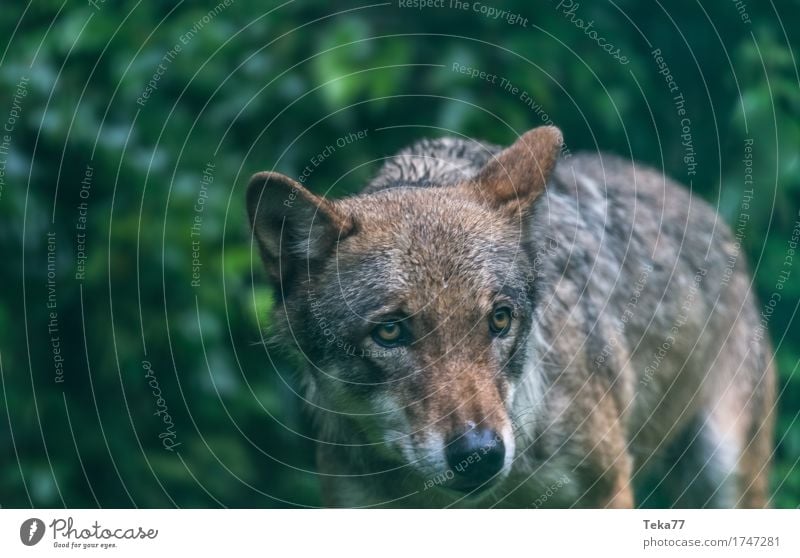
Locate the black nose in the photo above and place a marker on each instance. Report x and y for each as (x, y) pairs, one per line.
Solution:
(475, 455)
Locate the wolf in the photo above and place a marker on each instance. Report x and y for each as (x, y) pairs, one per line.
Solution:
(519, 327)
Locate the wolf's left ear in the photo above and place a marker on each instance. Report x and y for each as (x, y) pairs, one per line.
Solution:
(516, 176)
(293, 227)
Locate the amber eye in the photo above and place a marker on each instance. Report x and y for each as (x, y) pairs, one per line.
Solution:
(389, 334)
(500, 321)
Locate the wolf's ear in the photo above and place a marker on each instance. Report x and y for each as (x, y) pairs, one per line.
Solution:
(293, 227)
(516, 176)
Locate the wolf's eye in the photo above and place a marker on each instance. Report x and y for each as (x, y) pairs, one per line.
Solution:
(500, 321)
(389, 334)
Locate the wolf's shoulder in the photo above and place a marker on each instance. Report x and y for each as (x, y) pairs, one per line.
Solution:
(626, 185)
(433, 162)
(637, 209)
(615, 175)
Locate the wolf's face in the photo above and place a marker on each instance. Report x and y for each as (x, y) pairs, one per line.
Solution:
(413, 308)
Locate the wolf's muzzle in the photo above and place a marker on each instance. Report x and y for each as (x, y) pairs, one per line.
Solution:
(475, 456)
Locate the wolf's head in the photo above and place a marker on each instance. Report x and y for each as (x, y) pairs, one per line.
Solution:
(413, 307)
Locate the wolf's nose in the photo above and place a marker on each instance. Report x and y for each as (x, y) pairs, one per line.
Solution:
(476, 455)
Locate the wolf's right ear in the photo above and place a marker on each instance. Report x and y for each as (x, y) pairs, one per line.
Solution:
(292, 226)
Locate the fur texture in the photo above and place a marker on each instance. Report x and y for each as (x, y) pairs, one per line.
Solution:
(633, 365)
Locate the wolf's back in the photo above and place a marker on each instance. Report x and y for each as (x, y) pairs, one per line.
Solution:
(433, 162)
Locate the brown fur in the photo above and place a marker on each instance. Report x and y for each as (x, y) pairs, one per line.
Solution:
(577, 389)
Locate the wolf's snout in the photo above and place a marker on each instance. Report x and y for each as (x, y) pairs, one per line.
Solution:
(475, 455)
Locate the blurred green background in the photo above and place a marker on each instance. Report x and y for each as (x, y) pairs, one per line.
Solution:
(257, 86)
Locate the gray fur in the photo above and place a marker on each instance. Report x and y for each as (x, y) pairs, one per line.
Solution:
(634, 298)
(433, 162)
